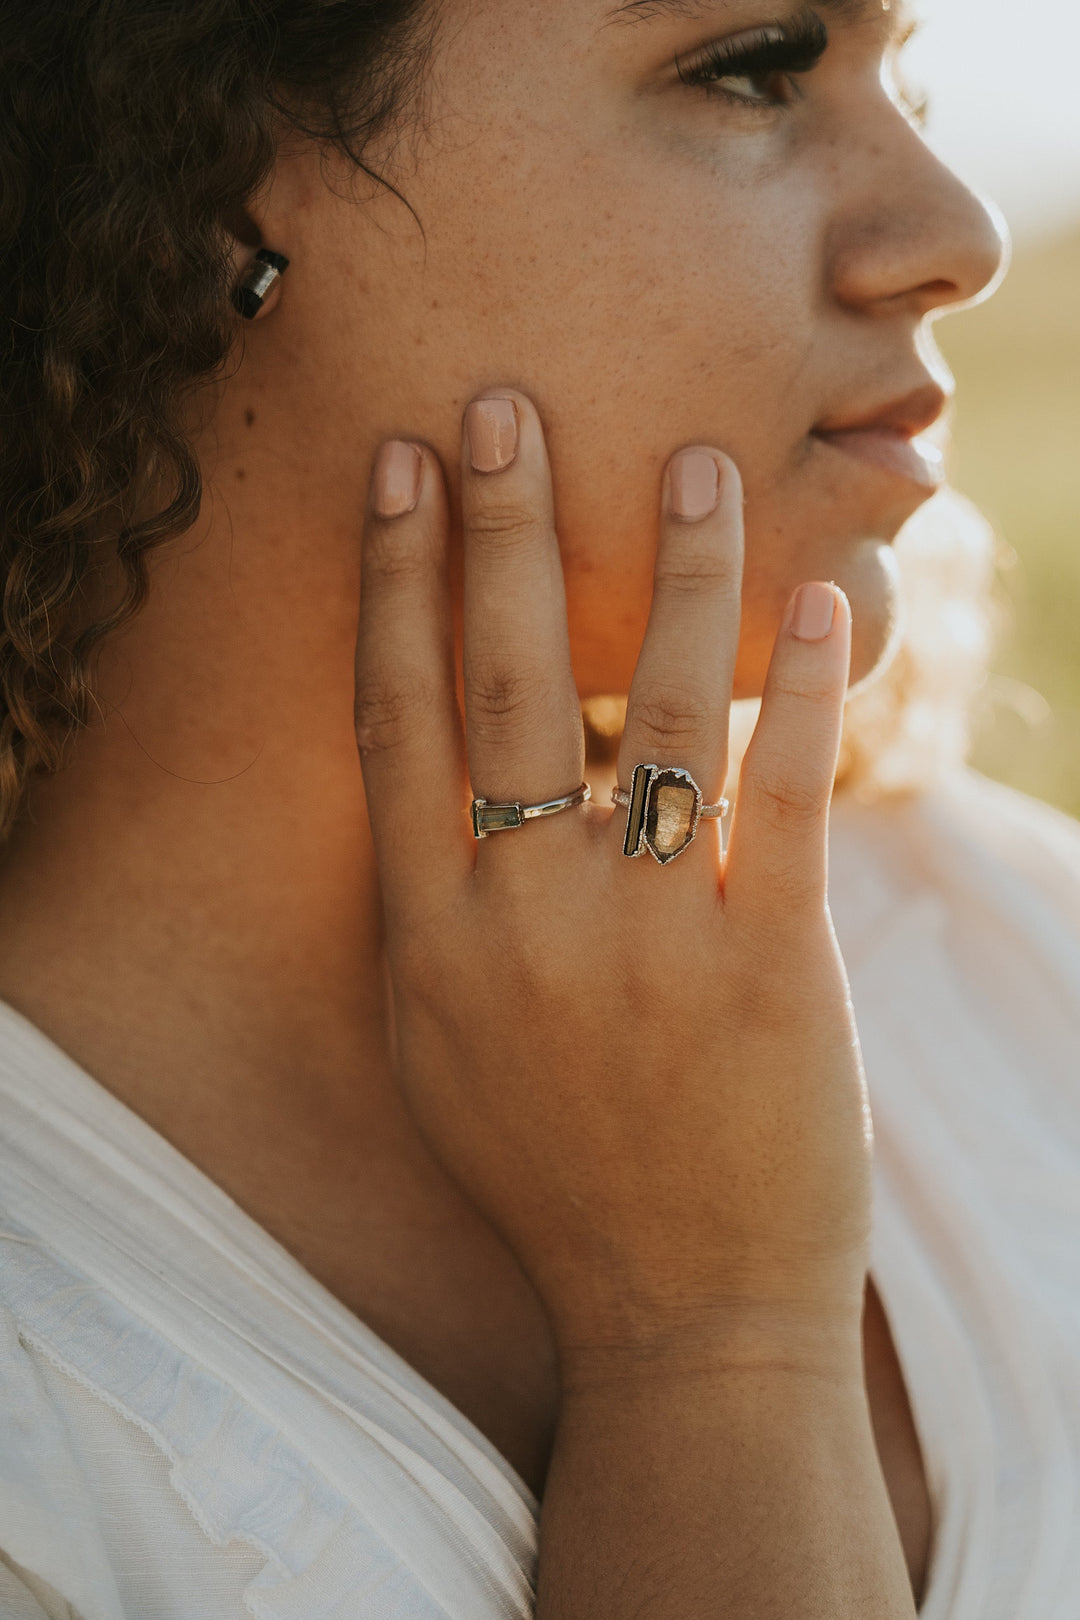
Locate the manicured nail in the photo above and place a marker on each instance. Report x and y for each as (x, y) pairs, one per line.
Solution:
(395, 478)
(815, 607)
(693, 484)
(491, 425)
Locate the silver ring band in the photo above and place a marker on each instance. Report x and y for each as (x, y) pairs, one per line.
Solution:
(488, 818)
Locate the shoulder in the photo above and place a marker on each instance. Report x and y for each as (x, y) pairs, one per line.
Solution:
(968, 895)
(967, 837)
(98, 1520)
(1024, 833)
(43, 1484)
(1005, 852)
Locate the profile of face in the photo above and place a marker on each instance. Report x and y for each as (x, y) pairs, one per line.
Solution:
(662, 242)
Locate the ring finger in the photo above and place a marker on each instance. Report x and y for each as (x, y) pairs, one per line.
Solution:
(680, 699)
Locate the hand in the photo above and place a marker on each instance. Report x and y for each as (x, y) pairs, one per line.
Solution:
(647, 1078)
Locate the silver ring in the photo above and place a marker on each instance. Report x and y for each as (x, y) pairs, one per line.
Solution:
(664, 806)
(488, 818)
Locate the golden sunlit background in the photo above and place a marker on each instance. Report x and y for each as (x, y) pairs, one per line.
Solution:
(1005, 114)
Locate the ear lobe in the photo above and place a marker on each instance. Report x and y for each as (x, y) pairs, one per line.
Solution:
(242, 227)
(258, 270)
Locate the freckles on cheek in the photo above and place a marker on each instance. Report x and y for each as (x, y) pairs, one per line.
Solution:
(721, 319)
(668, 302)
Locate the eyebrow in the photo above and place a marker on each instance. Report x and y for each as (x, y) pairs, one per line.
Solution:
(843, 10)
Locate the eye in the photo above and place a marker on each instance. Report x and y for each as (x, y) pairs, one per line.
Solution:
(769, 89)
(755, 69)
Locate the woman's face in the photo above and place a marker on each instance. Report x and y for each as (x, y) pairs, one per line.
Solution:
(656, 262)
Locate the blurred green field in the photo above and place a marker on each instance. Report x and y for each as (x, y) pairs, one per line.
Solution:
(1017, 455)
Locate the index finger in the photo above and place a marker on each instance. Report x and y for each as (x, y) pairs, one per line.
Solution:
(408, 726)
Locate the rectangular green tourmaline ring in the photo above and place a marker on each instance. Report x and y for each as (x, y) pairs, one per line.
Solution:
(489, 818)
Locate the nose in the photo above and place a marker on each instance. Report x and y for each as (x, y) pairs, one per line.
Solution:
(912, 235)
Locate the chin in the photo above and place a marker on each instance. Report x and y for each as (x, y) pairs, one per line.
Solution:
(866, 571)
(870, 576)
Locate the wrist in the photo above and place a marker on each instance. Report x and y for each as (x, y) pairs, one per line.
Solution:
(789, 1338)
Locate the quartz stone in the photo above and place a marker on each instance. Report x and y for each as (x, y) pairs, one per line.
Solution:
(671, 819)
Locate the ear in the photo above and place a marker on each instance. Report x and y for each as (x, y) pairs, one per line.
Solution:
(257, 283)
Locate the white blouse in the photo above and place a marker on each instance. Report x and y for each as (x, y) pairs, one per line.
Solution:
(193, 1428)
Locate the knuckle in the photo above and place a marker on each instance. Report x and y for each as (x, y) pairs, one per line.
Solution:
(539, 971)
(670, 717)
(505, 699)
(388, 708)
(503, 524)
(819, 694)
(690, 573)
(391, 552)
(498, 688)
(786, 803)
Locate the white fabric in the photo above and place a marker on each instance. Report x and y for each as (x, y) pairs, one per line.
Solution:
(192, 1428)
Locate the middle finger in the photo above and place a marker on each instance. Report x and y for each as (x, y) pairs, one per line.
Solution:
(523, 720)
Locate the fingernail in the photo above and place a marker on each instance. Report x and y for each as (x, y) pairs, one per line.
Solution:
(395, 478)
(491, 425)
(815, 606)
(693, 484)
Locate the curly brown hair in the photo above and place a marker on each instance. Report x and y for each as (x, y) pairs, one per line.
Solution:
(132, 134)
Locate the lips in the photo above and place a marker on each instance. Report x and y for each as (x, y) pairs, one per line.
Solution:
(892, 436)
(916, 459)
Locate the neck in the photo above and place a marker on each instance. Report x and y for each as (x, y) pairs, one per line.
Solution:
(200, 881)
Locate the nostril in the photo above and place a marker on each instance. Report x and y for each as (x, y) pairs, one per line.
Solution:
(942, 292)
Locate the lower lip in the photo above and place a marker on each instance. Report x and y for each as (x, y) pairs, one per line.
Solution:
(915, 459)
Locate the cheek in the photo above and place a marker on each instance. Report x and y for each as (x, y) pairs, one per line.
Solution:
(656, 300)
(640, 317)
(636, 333)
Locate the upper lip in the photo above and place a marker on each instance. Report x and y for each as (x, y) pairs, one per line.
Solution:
(907, 415)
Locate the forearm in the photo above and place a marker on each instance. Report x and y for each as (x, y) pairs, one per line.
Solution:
(691, 1490)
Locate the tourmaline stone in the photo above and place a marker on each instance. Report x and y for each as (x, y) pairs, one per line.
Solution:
(489, 818)
(672, 813)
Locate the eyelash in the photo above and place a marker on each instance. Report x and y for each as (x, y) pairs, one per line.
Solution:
(778, 48)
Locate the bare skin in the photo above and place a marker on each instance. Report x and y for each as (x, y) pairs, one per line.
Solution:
(192, 911)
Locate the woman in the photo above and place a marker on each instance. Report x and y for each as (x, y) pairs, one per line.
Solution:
(401, 1222)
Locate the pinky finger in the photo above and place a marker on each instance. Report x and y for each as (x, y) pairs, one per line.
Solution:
(778, 847)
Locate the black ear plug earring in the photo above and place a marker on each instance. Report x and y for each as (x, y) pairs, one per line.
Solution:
(263, 271)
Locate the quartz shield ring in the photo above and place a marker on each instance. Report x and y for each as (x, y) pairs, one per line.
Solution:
(664, 806)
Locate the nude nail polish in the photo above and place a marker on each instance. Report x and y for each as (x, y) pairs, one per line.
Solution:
(492, 430)
(395, 479)
(815, 608)
(694, 484)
